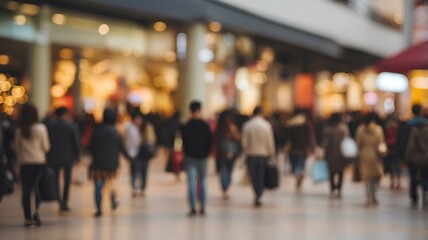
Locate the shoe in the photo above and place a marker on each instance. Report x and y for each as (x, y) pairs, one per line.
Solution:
(202, 211)
(64, 209)
(114, 205)
(36, 219)
(225, 196)
(98, 214)
(134, 193)
(28, 223)
(257, 203)
(192, 213)
(414, 204)
(142, 194)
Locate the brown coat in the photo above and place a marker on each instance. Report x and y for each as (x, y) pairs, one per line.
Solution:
(333, 137)
(368, 139)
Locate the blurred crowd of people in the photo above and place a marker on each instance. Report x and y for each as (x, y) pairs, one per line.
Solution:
(59, 141)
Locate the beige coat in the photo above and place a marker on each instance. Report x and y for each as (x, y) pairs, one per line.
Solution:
(368, 139)
(257, 138)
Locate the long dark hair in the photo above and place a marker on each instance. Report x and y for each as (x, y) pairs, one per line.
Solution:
(29, 116)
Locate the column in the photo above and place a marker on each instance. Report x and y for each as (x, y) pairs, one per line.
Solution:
(192, 85)
(40, 64)
(408, 25)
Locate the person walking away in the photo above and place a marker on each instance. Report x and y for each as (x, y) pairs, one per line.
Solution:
(64, 151)
(392, 160)
(334, 134)
(369, 139)
(416, 157)
(147, 150)
(300, 139)
(105, 145)
(132, 141)
(31, 145)
(197, 140)
(259, 147)
(228, 150)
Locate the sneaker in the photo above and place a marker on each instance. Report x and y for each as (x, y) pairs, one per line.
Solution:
(134, 193)
(257, 203)
(192, 213)
(28, 223)
(36, 219)
(202, 211)
(114, 205)
(64, 209)
(97, 214)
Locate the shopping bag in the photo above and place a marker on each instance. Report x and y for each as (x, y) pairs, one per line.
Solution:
(80, 174)
(47, 185)
(348, 148)
(271, 176)
(319, 172)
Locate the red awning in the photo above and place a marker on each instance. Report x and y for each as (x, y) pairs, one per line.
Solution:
(415, 57)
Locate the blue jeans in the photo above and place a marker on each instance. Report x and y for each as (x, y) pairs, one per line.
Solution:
(298, 164)
(99, 184)
(139, 169)
(196, 170)
(226, 174)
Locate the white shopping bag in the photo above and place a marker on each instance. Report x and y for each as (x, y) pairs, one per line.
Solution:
(80, 175)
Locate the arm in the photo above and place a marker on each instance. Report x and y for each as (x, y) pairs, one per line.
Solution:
(244, 139)
(271, 142)
(46, 146)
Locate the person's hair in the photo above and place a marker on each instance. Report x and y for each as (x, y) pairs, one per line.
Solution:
(417, 109)
(258, 110)
(195, 106)
(28, 117)
(61, 111)
(109, 116)
(335, 118)
(370, 117)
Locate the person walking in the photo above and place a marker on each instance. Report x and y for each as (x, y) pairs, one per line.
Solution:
(370, 141)
(64, 150)
(31, 145)
(334, 133)
(197, 140)
(105, 145)
(416, 156)
(259, 147)
(228, 148)
(132, 141)
(301, 139)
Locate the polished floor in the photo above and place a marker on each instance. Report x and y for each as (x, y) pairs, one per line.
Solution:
(285, 214)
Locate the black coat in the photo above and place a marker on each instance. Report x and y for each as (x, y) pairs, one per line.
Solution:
(64, 141)
(106, 144)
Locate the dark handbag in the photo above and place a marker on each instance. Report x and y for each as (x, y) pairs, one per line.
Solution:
(47, 185)
(147, 151)
(271, 176)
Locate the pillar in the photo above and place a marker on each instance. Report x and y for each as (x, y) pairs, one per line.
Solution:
(408, 24)
(192, 85)
(40, 64)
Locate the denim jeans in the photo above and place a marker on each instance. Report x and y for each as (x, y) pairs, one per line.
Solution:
(99, 184)
(196, 170)
(226, 174)
(139, 169)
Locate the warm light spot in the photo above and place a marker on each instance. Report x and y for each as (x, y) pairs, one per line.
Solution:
(18, 91)
(4, 59)
(20, 20)
(2, 77)
(66, 53)
(215, 26)
(58, 91)
(10, 100)
(170, 56)
(59, 19)
(5, 86)
(159, 26)
(103, 29)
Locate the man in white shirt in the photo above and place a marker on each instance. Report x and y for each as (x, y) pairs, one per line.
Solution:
(132, 141)
(259, 147)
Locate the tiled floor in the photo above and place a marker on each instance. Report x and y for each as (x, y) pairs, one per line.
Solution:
(311, 214)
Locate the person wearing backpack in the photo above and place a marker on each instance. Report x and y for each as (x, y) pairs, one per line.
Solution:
(416, 157)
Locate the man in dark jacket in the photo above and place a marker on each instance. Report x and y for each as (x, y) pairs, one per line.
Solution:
(64, 150)
(418, 172)
(197, 140)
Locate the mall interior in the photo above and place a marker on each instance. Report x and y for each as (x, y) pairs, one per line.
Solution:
(158, 55)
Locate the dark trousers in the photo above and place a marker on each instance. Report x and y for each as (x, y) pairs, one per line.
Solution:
(226, 173)
(29, 174)
(418, 176)
(336, 185)
(256, 168)
(139, 169)
(67, 181)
